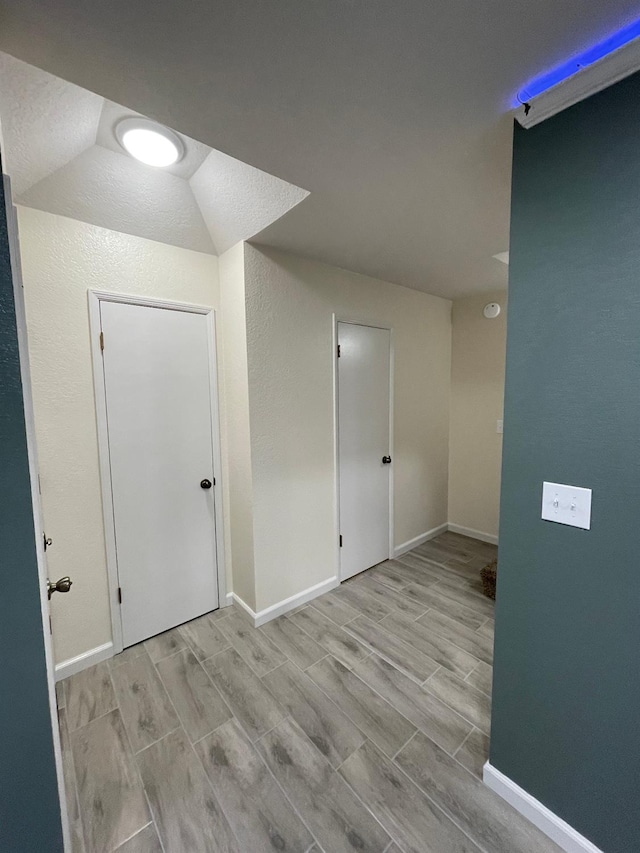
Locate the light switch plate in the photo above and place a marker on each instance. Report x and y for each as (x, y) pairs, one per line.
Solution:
(499, 426)
(566, 505)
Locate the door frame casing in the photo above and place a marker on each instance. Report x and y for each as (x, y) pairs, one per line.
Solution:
(36, 500)
(336, 431)
(95, 297)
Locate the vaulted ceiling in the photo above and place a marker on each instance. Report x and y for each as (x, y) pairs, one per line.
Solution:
(395, 115)
(61, 152)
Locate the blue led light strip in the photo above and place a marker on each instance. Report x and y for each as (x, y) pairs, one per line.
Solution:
(547, 81)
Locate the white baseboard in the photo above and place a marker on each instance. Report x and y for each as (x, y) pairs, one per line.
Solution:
(287, 604)
(418, 540)
(474, 534)
(565, 836)
(251, 613)
(69, 667)
(73, 665)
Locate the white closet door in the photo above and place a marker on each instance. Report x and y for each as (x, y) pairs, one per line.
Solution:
(363, 446)
(157, 371)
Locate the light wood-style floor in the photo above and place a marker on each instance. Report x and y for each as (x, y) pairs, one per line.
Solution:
(359, 722)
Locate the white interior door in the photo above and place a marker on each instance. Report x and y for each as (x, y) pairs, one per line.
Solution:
(363, 446)
(157, 374)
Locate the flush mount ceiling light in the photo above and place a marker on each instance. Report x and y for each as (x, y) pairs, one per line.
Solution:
(149, 142)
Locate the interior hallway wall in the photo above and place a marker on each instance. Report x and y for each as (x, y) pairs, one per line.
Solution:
(290, 304)
(566, 688)
(236, 452)
(477, 400)
(62, 258)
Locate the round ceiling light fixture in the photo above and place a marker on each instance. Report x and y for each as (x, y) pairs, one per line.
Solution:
(149, 142)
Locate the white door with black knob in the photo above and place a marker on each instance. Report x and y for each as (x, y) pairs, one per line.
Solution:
(364, 452)
(158, 365)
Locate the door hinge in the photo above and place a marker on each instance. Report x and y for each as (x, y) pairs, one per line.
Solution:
(50, 626)
(214, 481)
(341, 541)
(119, 595)
(338, 350)
(102, 341)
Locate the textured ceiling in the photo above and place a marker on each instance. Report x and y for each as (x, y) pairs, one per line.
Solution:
(395, 115)
(61, 152)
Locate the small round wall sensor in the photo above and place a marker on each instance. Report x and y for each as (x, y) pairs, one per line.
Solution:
(491, 310)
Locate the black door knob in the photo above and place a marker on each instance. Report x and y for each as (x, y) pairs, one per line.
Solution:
(205, 484)
(386, 460)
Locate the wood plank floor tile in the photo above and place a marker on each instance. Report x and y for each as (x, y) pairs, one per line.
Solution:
(203, 637)
(165, 644)
(127, 655)
(146, 709)
(199, 705)
(333, 813)
(493, 824)
(373, 715)
(389, 576)
(461, 635)
(320, 693)
(438, 572)
(436, 647)
(464, 581)
(474, 752)
(487, 629)
(467, 597)
(333, 608)
(392, 598)
(431, 598)
(388, 645)
(89, 694)
(77, 837)
(68, 771)
(252, 645)
(440, 552)
(261, 817)
(242, 690)
(404, 810)
(362, 599)
(481, 678)
(112, 801)
(416, 570)
(326, 726)
(468, 542)
(220, 613)
(292, 641)
(470, 703)
(333, 639)
(437, 720)
(187, 814)
(146, 841)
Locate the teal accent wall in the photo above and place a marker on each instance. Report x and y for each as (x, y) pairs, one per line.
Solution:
(29, 806)
(566, 703)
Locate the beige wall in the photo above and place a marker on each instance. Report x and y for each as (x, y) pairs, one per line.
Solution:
(236, 453)
(62, 258)
(289, 310)
(477, 395)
